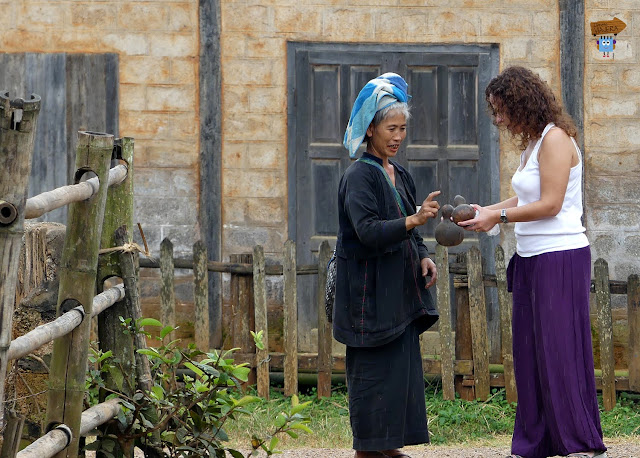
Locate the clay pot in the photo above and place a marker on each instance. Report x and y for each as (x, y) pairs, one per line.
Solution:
(462, 210)
(447, 232)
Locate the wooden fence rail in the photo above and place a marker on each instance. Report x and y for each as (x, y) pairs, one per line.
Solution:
(463, 362)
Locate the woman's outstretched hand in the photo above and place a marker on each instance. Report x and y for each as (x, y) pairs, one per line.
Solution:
(428, 209)
(484, 220)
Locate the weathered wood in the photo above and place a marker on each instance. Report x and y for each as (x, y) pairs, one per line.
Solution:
(290, 326)
(63, 325)
(260, 298)
(633, 310)
(55, 440)
(324, 327)
(478, 315)
(59, 197)
(463, 345)
(16, 150)
(444, 323)
(77, 285)
(12, 435)
(201, 296)
(167, 291)
(605, 329)
(243, 315)
(506, 307)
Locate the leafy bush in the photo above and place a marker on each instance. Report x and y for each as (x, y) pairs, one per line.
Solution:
(194, 395)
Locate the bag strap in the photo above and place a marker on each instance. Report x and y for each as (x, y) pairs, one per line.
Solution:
(386, 175)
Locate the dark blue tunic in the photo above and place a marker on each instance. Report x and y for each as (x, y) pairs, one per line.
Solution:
(379, 285)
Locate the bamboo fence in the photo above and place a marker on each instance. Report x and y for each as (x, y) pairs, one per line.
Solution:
(463, 362)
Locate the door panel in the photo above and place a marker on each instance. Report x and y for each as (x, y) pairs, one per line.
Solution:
(446, 135)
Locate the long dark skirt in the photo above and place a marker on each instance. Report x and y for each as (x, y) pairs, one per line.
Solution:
(557, 411)
(386, 394)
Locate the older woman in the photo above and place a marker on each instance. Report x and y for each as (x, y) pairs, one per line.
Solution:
(382, 304)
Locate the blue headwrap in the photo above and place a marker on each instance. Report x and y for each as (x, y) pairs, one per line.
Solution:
(377, 94)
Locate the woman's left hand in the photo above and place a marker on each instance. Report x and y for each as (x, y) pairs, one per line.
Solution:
(429, 269)
(485, 219)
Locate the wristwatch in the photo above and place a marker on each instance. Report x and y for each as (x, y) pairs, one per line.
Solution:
(503, 216)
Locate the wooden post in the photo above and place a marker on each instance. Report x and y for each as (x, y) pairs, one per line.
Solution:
(506, 307)
(118, 212)
(12, 435)
(478, 315)
(633, 310)
(444, 323)
(290, 311)
(260, 298)
(201, 296)
(324, 327)
(605, 329)
(16, 150)
(463, 345)
(77, 286)
(244, 318)
(167, 292)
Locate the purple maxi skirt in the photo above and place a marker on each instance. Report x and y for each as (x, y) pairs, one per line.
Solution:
(557, 410)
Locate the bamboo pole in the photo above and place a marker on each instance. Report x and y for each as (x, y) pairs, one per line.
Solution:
(64, 195)
(62, 325)
(324, 327)
(56, 440)
(16, 150)
(444, 323)
(77, 285)
(633, 311)
(605, 329)
(290, 326)
(478, 314)
(167, 291)
(201, 296)
(260, 308)
(506, 307)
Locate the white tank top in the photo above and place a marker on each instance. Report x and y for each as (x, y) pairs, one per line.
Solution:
(561, 232)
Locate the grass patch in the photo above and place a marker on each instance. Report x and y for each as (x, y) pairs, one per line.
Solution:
(487, 423)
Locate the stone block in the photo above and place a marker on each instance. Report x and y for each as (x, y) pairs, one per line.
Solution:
(261, 46)
(131, 44)
(247, 18)
(161, 211)
(400, 23)
(601, 77)
(234, 155)
(184, 126)
(173, 45)
(615, 105)
(632, 247)
(265, 127)
(268, 100)
(610, 133)
(183, 17)
(609, 217)
(612, 190)
(242, 239)
(33, 15)
(170, 182)
(618, 164)
(144, 16)
(266, 211)
(145, 70)
(100, 15)
(301, 19)
(163, 153)
(132, 96)
(234, 210)
(545, 23)
(236, 98)
(454, 25)
(630, 78)
(517, 49)
(171, 98)
(184, 70)
(266, 155)
(259, 72)
(347, 24)
(144, 125)
(233, 44)
(545, 51)
(507, 24)
(253, 183)
(183, 237)
(605, 244)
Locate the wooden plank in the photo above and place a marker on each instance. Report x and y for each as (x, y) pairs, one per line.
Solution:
(605, 329)
(78, 272)
(633, 310)
(260, 300)
(506, 308)
(201, 296)
(478, 316)
(16, 149)
(290, 326)
(463, 341)
(444, 323)
(167, 291)
(324, 327)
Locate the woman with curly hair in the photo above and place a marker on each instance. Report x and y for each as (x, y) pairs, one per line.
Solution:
(549, 275)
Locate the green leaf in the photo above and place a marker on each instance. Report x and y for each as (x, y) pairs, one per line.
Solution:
(301, 426)
(166, 330)
(243, 401)
(299, 408)
(148, 322)
(104, 356)
(148, 352)
(273, 443)
(291, 433)
(158, 392)
(241, 373)
(280, 420)
(235, 453)
(193, 367)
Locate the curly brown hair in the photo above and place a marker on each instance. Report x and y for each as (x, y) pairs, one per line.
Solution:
(528, 103)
